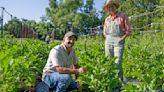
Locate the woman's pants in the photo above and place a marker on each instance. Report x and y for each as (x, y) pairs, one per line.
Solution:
(115, 51)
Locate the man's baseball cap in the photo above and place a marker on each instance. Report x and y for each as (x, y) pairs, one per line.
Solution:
(70, 33)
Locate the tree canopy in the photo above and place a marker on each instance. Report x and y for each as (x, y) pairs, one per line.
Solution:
(80, 15)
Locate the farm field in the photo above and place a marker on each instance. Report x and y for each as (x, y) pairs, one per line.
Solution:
(21, 61)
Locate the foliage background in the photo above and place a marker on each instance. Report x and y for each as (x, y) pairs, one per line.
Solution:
(81, 16)
(22, 59)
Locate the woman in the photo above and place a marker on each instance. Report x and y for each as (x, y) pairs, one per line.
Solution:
(116, 29)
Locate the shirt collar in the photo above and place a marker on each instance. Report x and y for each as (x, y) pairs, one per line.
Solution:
(65, 49)
(113, 17)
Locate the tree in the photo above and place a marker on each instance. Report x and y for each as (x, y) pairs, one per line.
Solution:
(140, 12)
(72, 15)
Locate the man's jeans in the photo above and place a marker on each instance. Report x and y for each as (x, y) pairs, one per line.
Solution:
(115, 51)
(59, 82)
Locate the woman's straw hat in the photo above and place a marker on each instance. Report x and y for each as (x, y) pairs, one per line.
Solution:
(109, 3)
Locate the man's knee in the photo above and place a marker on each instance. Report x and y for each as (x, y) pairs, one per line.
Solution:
(42, 87)
(65, 77)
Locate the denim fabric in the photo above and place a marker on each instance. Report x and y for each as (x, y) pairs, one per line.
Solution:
(115, 51)
(42, 87)
(60, 82)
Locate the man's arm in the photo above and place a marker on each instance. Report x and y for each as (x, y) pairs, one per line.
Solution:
(70, 70)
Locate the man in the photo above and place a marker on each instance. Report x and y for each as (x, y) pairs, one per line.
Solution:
(59, 67)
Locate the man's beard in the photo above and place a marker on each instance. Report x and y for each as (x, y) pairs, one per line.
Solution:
(70, 44)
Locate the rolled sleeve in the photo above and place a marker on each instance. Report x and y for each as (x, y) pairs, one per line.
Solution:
(55, 58)
(105, 27)
(127, 25)
(75, 61)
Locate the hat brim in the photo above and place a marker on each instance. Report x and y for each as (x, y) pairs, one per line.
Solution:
(105, 8)
(76, 37)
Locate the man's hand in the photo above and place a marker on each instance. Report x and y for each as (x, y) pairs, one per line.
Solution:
(82, 70)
